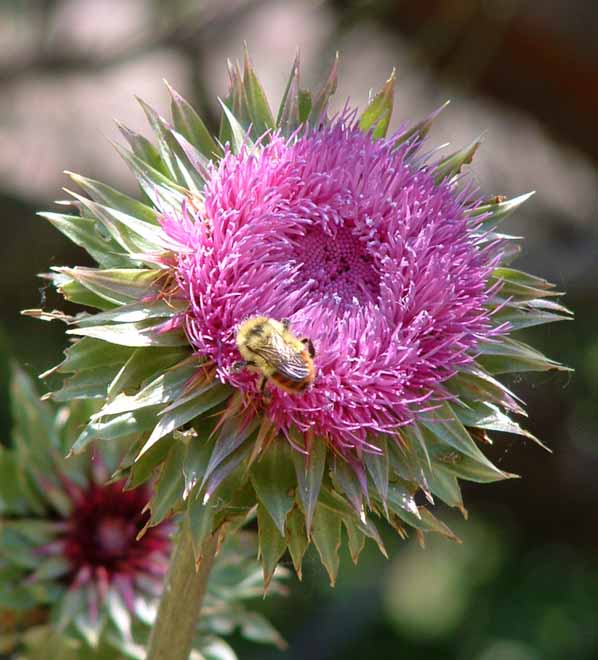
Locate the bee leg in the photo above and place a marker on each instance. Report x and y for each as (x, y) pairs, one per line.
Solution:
(286, 323)
(262, 390)
(241, 364)
(310, 347)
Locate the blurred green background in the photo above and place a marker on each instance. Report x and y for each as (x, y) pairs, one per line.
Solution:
(524, 584)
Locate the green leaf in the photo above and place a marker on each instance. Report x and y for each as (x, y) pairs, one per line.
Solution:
(201, 522)
(288, 112)
(522, 285)
(143, 148)
(238, 136)
(74, 291)
(326, 535)
(274, 481)
(450, 166)
(346, 481)
(162, 390)
(199, 451)
(195, 159)
(355, 538)
(527, 314)
(378, 467)
(463, 466)
(296, 538)
(83, 232)
(427, 522)
(476, 385)
(419, 131)
(309, 472)
(162, 191)
(88, 353)
(257, 103)
(12, 501)
(142, 333)
(305, 105)
(175, 418)
(120, 426)
(87, 384)
(498, 209)
(445, 427)
(232, 435)
(257, 628)
(50, 568)
(320, 103)
(32, 418)
(169, 488)
(70, 604)
(272, 544)
(173, 155)
(142, 469)
(132, 312)
(134, 235)
(214, 648)
(144, 365)
(118, 285)
(188, 123)
(376, 116)
(229, 482)
(112, 198)
(490, 417)
(400, 498)
(509, 355)
(445, 485)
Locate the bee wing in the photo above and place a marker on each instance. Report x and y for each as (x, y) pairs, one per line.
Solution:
(284, 358)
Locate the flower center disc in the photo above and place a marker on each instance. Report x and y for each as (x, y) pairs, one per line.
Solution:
(339, 266)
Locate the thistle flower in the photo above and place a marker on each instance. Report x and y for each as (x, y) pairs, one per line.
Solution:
(75, 576)
(382, 254)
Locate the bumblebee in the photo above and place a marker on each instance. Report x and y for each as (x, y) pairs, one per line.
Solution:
(269, 347)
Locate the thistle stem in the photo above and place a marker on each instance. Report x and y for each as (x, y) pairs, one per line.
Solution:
(180, 605)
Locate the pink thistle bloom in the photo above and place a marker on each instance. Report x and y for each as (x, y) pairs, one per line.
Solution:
(354, 242)
(382, 257)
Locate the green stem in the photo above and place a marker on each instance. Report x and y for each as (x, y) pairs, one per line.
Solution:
(184, 590)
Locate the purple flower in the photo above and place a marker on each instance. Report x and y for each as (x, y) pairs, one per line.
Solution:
(99, 541)
(384, 257)
(356, 243)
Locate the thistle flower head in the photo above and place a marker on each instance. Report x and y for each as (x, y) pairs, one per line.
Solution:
(383, 257)
(355, 243)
